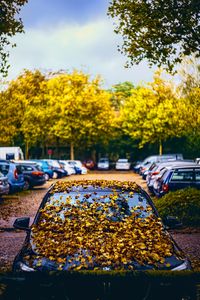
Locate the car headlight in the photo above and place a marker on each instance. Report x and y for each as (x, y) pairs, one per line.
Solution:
(24, 267)
(183, 266)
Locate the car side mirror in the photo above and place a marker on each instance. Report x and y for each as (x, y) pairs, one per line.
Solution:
(172, 222)
(22, 223)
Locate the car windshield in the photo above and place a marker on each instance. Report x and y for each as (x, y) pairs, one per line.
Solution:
(122, 160)
(103, 160)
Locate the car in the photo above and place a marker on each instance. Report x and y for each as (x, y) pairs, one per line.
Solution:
(58, 171)
(97, 225)
(177, 177)
(156, 170)
(67, 167)
(159, 158)
(89, 164)
(46, 168)
(4, 186)
(78, 166)
(33, 174)
(13, 173)
(122, 164)
(103, 164)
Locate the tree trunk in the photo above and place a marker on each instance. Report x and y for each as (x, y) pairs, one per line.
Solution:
(72, 151)
(160, 147)
(27, 150)
(93, 155)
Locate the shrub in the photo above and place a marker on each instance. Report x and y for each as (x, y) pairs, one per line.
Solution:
(184, 204)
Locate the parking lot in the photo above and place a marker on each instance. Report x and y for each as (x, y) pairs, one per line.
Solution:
(27, 203)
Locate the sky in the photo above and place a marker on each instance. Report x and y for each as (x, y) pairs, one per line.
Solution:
(73, 34)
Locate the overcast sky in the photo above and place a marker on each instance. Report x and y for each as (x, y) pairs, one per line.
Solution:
(68, 34)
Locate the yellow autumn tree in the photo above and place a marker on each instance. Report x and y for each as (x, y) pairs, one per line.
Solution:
(80, 108)
(153, 114)
(27, 108)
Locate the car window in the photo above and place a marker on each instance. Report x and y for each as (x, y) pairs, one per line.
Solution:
(125, 202)
(197, 175)
(4, 169)
(19, 169)
(182, 175)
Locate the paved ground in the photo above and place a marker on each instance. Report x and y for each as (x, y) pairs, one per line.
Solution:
(27, 203)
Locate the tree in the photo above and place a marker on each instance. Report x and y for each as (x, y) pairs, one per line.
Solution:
(120, 92)
(9, 26)
(153, 114)
(156, 30)
(27, 108)
(80, 109)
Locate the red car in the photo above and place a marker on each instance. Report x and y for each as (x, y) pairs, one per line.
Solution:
(89, 164)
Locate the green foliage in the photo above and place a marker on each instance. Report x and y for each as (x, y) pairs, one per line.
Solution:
(9, 26)
(159, 31)
(184, 204)
(120, 92)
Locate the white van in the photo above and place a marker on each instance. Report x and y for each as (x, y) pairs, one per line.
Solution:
(11, 153)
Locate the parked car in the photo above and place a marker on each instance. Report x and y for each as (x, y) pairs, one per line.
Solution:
(145, 169)
(156, 171)
(79, 223)
(46, 168)
(4, 186)
(136, 167)
(103, 164)
(89, 164)
(67, 167)
(15, 176)
(33, 174)
(122, 164)
(177, 177)
(78, 166)
(58, 172)
(159, 158)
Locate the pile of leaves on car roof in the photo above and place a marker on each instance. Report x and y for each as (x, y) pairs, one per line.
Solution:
(97, 233)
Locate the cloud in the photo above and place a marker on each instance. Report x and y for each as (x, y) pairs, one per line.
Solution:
(91, 47)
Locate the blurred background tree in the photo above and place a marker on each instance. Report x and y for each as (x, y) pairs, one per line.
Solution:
(9, 26)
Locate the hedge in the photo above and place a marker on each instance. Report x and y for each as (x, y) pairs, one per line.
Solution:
(184, 204)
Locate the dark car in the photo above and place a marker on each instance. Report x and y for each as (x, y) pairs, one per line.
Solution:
(157, 169)
(13, 173)
(33, 175)
(97, 225)
(177, 177)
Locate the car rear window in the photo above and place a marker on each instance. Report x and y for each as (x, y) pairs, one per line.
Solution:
(4, 169)
(182, 175)
(126, 202)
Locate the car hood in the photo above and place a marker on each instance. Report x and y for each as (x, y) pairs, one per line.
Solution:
(41, 263)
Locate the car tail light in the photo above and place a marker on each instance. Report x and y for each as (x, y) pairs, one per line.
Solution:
(37, 173)
(155, 173)
(165, 187)
(16, 174)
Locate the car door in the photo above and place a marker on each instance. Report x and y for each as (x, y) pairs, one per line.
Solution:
(181, 178)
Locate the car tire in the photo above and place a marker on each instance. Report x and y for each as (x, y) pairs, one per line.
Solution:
(55, 175)
(46, 175)
(27, 185)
